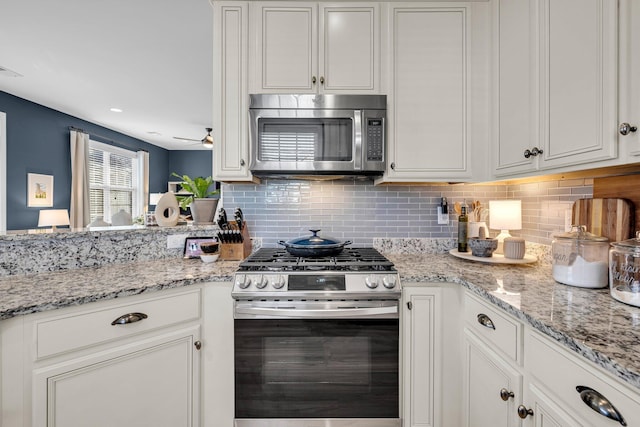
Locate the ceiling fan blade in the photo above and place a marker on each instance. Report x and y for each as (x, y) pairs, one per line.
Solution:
(185, 139)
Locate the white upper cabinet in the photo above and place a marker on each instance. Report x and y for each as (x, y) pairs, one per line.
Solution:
(557, 90)
(315, 47)
(438, 86)
(230, 100)
(629, 70)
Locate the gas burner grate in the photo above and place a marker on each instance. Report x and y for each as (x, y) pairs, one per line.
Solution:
(350, 259)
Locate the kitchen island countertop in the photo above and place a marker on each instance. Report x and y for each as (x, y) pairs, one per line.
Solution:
(587, 321)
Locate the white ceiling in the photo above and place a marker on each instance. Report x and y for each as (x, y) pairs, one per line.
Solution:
(150, 58)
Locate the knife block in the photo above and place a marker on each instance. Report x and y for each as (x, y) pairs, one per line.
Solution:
(237, 251)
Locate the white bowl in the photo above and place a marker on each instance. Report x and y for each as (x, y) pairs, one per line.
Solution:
(209, 258)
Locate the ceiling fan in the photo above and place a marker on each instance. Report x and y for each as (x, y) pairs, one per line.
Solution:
(207, 141)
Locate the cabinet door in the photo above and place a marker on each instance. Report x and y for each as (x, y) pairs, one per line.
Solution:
(579, 80)
(286, 47)
(428, 128)
(230, 103)
(151, 383)
(517, 95)
(546, 412)
(421, 360)
(629, 84)
(485, 375)
(349, 48)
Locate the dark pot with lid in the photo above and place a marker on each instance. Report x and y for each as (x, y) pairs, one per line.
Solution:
(314, 245)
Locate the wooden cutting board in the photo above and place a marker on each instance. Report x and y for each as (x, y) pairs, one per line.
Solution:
(612, 218)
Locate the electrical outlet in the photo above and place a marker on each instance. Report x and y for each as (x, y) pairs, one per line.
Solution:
(443, 218)
(176, 241)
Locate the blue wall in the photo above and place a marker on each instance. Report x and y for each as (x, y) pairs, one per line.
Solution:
(190, 162)
(38, 142)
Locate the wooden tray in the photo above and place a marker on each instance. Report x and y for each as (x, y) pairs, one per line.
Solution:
(495, 259)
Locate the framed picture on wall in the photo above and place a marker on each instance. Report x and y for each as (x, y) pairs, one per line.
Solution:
(39, 190)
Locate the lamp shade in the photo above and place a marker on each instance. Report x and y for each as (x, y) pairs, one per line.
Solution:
(154, 198)
(505, 214)
(53, 217)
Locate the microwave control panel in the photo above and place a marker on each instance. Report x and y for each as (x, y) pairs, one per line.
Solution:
(375, 138)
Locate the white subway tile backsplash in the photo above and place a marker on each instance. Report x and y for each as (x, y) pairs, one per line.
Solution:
(360, 211)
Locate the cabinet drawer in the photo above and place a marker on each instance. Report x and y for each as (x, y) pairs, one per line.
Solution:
(90, 327)
(487, 322)
(560, 372)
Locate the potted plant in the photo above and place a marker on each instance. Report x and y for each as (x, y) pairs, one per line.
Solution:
(203, 208)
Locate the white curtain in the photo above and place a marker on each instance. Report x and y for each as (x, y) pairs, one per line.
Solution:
(80, 215)
(143, 182)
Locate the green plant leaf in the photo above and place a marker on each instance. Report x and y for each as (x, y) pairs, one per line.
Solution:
(198, 187)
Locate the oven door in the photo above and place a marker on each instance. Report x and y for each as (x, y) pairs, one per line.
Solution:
(307, 370)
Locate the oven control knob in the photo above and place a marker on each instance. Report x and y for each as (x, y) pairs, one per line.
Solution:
(371, 282)
(243, 282)
(389, 282)
(277, 282)
(261, 283)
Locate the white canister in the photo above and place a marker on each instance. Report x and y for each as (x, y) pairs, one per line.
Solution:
(514, 247)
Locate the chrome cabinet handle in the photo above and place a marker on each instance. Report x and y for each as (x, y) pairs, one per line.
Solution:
(486, 321)
(626, 128)
(523, 412)
(129, 318)
(533, 152)
(393, 166)
(241, 162)
(198, 345)
(506, 394)
(321, 80)
(313, 79)
(599, 403)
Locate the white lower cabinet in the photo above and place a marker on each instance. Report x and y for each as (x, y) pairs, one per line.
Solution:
(491, 387)
(430, 321)
(147, 383)
(516, 376)
(492, 373)
(127, 362)
(564, 389)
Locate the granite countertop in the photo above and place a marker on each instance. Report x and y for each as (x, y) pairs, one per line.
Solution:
(47, 291)
(587, 321)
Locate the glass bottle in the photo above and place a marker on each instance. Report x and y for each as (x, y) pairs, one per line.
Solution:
(463, 224)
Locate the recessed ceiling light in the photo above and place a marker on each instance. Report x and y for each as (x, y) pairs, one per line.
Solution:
(116, 110)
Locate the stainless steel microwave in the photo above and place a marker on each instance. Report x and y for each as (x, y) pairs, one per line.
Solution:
(317, 134)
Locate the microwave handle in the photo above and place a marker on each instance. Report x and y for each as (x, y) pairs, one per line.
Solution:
(357, 140)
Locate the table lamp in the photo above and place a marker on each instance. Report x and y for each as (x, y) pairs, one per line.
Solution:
(504, 215)
(53, 218)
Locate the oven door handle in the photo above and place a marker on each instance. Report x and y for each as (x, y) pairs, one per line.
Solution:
(361, 312)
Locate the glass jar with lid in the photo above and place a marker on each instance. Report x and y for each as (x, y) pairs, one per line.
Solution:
(580, 258)
(624, 270)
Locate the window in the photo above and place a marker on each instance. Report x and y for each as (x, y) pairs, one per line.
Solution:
(113, 181)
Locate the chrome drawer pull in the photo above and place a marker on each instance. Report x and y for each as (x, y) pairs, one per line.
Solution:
(486, 321)
(129, 318)
(599, 403)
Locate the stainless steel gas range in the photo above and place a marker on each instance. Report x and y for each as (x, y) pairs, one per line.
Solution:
(316, 340)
